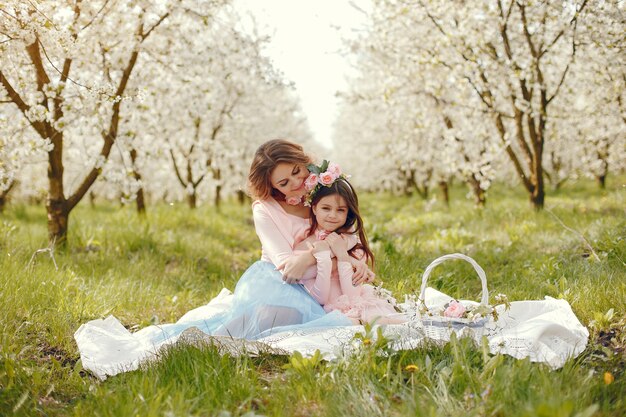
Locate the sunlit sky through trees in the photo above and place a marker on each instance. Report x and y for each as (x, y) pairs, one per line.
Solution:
(307, 46)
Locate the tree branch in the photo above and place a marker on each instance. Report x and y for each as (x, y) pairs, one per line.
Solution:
(111, 135)
(145, 35)
(180, 178)
(94, 16)
(527, 35)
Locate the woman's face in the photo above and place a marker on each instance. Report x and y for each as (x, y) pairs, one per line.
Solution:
(289, 179)
(331, 212)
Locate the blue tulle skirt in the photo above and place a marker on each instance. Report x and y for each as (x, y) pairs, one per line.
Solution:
(262, 304)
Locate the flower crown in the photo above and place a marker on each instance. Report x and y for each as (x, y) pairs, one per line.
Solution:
(324, 175)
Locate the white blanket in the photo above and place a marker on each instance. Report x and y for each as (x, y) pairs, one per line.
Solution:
(545, 331)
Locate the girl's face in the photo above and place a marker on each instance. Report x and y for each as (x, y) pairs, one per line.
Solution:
(289, 179)
(331, 212)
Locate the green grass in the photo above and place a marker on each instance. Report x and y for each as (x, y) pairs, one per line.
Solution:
(156, 269)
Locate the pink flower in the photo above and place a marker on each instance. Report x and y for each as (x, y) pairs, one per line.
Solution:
(293, 201)
(326, 178)
(322, 234)
(455, 309)
(334, 169)
(311, 182)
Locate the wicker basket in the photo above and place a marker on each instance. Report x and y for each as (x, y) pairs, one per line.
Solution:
(439, 327)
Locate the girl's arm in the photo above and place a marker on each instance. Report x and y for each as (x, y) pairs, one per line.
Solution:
(345, 279)
(344, 266)
(320, 290)
(277, 248)
(361, 272)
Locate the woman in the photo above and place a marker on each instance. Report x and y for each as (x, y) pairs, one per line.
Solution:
(265, 300)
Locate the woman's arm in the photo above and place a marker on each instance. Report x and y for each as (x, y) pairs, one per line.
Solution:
(277, 248)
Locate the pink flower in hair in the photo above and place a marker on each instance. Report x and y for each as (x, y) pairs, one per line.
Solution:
(334, 169)
(327, 178)
(311, 182)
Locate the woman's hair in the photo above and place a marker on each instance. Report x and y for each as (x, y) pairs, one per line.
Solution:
(354, 222)
(266, 157)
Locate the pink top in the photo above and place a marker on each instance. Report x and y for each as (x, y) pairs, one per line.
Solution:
(277, 230)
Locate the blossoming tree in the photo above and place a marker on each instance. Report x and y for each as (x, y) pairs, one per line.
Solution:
(67, 68)
(491, 80)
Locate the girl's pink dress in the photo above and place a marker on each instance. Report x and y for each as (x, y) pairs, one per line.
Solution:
(330, 283)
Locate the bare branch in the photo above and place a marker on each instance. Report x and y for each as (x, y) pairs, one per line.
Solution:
(565, 72)
(529, 39)
(43, 14)
(64, 76)
(562, 31)
(95, 16)
(39, 126)
(432, 19)
(180, 178)
(9, 14)
(145, 35)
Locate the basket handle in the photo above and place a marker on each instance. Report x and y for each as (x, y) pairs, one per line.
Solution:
(481, 273)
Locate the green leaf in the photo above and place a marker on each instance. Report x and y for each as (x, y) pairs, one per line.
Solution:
(314, 169)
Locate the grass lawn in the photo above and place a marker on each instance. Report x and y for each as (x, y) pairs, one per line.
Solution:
(154, 270)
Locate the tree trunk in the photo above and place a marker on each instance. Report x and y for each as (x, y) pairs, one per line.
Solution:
(443, 186)
(4, 196)
(241, 197)
(217, 175)
(56, 203)
(218, 197)
(537, 200)
(58, 218)
(479, 194)
(538, 195)
(191, 199)
(141, 205)
(412, 183)
(603, 156)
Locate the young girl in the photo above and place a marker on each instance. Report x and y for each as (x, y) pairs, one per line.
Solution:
(334, 218)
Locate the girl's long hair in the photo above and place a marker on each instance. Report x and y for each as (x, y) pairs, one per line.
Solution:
(354, 222)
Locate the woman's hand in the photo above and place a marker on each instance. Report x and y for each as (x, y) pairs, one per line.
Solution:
(362, 273)
(294, 267)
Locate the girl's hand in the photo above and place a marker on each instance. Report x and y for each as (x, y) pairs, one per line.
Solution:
(338, 245)
(362, 273)
(294, 267)
(320, 246)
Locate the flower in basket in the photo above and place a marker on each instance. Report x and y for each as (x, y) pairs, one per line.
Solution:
(454, 309)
